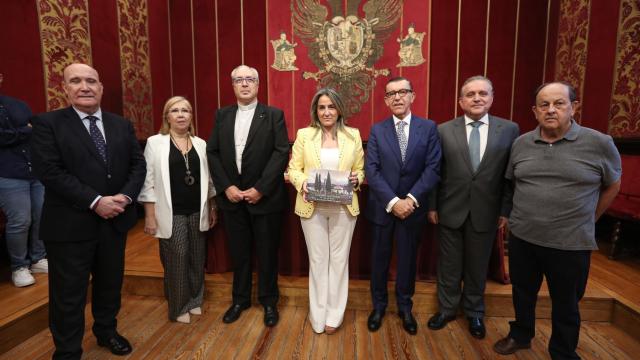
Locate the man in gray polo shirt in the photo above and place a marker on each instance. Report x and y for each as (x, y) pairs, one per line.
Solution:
(564, 177)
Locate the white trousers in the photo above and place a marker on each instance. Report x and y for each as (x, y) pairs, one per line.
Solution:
(328, 235)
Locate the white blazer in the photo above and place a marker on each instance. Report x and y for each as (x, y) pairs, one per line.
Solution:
(157, 185)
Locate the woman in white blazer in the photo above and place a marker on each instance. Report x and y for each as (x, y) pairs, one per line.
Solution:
(327, 143)
(179, 207)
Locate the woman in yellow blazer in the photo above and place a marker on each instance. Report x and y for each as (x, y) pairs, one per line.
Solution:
(327, 143)
(179, 208)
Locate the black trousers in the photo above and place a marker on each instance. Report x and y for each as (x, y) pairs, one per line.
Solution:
(243, 229)
(70, 264)
(406, 236)
(566, 272)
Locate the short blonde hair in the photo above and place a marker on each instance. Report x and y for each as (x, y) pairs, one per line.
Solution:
(164, 129)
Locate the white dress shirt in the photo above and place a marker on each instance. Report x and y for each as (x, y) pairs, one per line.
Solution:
(483, 129)
(396, 120)
(86, 122)
(244, 117)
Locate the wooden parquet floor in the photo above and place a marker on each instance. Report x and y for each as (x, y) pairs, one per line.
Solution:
(143, 320)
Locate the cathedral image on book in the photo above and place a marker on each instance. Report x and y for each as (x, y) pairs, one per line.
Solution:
(330, 186)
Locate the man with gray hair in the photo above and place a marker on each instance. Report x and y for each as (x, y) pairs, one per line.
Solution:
(564, 177)
(248, 152)
(470, 204)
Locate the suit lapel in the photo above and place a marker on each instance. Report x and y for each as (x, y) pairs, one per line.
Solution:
(492, 140)
(342, 139)
(392, 138)
(165, 148)
(414, 131)
(82, 134)
(256, 123)
(316, 140)
(109, 135)
(460, 135)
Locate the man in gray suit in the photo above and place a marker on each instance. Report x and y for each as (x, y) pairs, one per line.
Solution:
(472, 202)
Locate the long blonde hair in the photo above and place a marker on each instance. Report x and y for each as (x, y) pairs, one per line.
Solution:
(336, 100)
(164, 129)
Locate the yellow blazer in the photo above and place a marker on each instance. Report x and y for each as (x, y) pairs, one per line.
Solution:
(306, 156)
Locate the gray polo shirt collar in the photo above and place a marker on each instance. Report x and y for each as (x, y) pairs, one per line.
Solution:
(571, 135)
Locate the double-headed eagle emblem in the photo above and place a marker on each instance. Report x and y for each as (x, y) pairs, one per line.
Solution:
(345, 47)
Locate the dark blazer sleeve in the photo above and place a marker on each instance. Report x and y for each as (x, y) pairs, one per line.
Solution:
(49, 166)
(273, 173)
(137, 166)
(220, 178)
(507, 186)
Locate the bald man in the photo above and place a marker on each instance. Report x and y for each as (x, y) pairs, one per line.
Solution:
(91, 166)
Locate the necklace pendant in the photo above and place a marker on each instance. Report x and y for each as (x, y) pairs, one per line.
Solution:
(189, 180)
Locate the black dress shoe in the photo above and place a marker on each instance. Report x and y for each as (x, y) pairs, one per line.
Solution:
(117, 344)
(439, 320)
(476, 327)
(375, 320)
(270, 315)
(408, 322)
(233, 313)
(509, 345)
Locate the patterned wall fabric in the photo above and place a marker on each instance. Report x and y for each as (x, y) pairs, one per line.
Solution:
(135, 65)
(64, 33)
(573, 38)
(624, 119)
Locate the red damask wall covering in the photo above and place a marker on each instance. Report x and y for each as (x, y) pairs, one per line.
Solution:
(148, 50)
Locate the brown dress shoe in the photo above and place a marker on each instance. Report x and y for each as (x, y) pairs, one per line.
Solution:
(508, 346)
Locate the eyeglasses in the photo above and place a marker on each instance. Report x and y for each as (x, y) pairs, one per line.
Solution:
(401, 92)
(249, 80)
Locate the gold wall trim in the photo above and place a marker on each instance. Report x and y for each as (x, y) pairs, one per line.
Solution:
(65, 38)
(486, 38)
(624, 118)
(515, 61)
(242, 29)
(573, 41)
(546, 42)
(135, 66)
(455, 94)
(217, 55)
(193, 60)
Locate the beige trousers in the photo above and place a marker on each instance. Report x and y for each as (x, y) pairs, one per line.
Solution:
(328, 235)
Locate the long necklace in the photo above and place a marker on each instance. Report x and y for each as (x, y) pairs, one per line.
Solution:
(188, 178)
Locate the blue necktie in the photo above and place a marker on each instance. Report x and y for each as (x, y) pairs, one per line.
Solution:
(474, 145)
(402, 138)
(97, 137)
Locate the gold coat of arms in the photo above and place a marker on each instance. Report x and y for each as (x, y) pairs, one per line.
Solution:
(346, 47)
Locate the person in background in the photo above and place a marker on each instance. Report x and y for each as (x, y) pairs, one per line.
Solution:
(179, 208)
(21, 194)
(328, 144)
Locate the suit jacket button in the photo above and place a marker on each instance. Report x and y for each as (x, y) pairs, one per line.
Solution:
(108, 176)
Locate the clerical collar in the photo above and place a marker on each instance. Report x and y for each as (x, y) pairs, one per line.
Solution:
(248, 107)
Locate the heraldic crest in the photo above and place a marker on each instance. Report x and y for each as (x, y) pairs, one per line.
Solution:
(345, 47)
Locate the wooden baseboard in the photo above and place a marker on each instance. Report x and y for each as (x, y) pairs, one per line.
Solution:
(294, 292)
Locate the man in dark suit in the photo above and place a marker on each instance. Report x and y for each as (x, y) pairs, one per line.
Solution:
(248, 152)
(91, 166)
(471, 202)
(402, 167)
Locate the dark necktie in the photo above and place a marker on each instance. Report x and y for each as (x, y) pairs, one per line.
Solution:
(402, 138)
(474, 145)
(97, 137)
